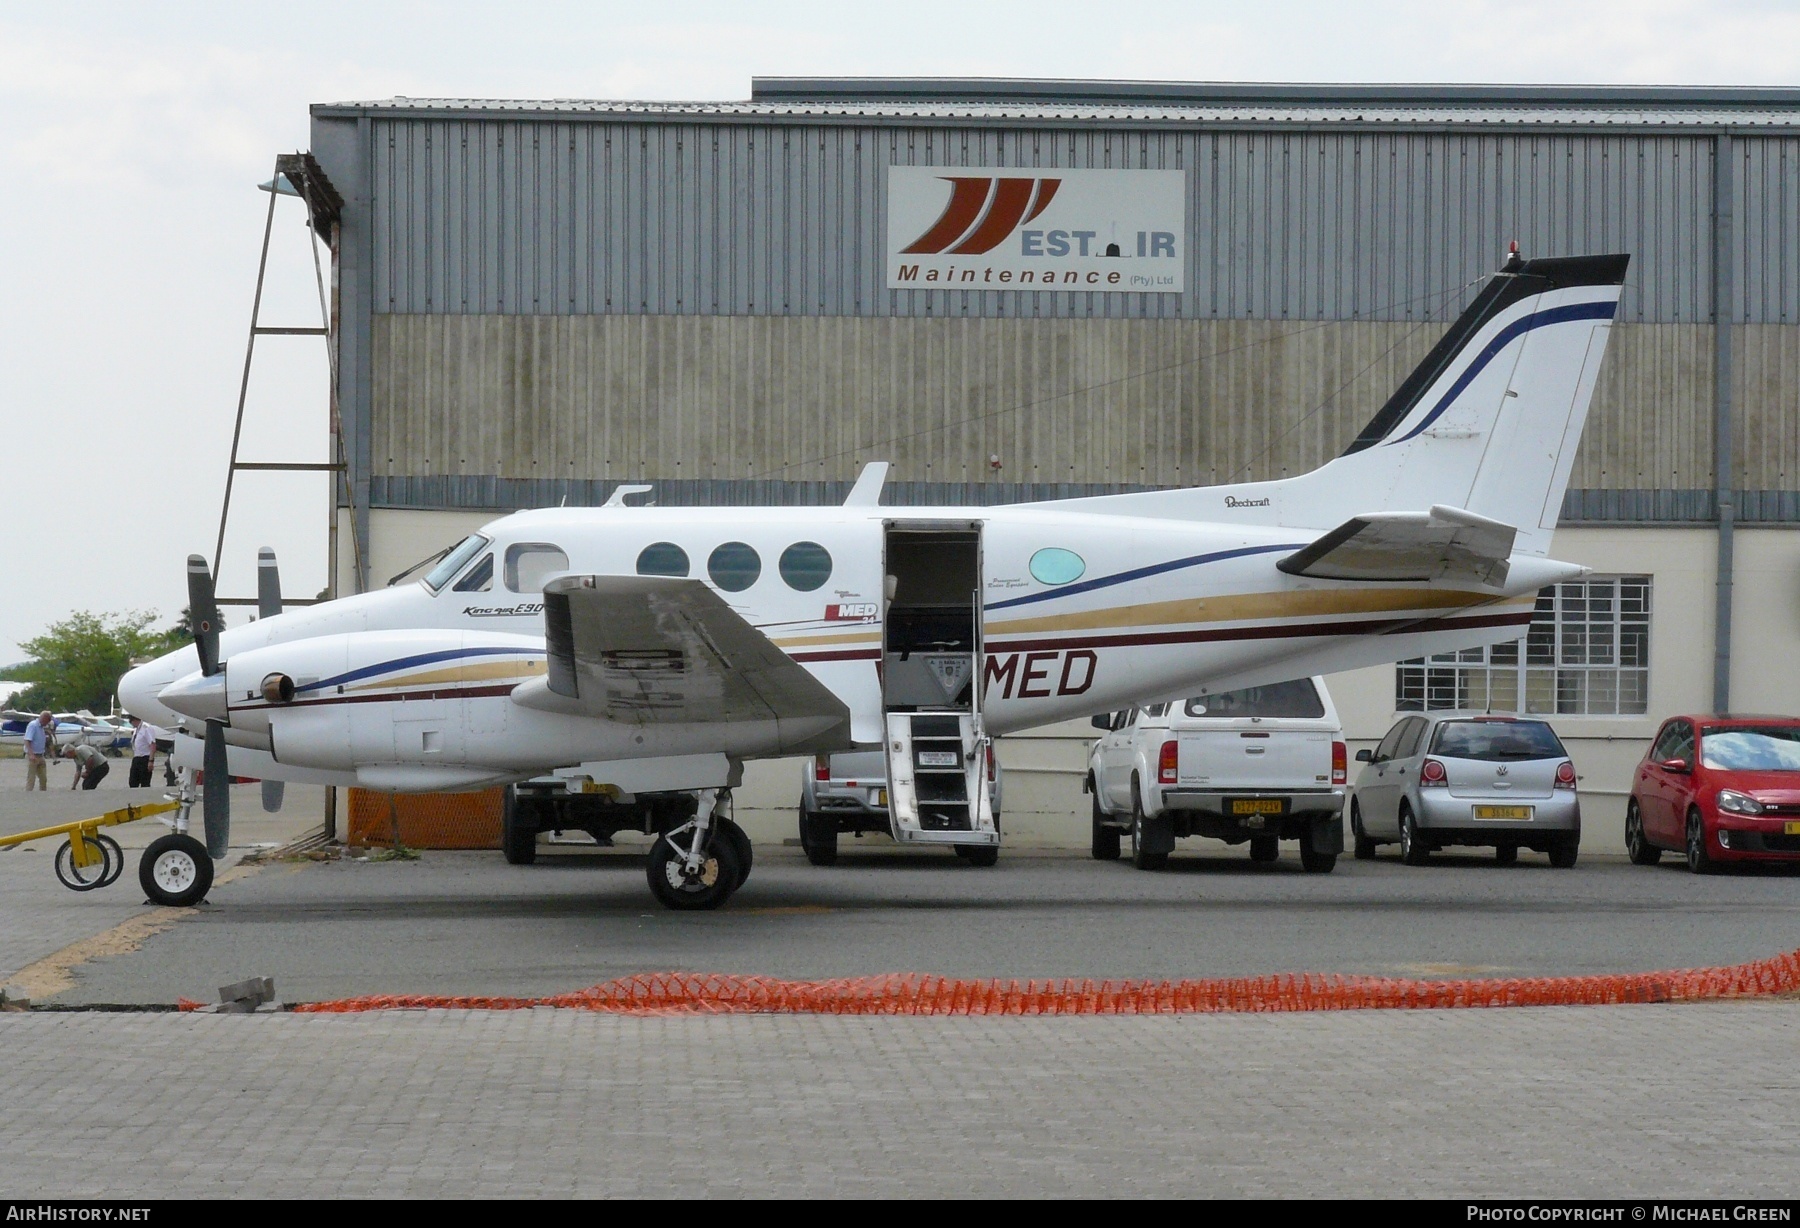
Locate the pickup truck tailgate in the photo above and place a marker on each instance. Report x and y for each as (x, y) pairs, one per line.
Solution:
(1251, 759)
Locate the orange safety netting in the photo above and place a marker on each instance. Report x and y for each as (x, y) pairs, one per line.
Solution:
(919, 994)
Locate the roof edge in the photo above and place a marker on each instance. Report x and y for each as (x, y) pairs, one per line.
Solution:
(1061, 90)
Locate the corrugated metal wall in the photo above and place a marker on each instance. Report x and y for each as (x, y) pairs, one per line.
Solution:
(520, 216)
(1116, 401)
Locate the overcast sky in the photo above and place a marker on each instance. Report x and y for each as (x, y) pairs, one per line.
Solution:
(133, 136)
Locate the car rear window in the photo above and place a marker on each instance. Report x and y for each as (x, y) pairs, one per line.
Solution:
(1296, 699)
(1775, 748)
(1497, 740)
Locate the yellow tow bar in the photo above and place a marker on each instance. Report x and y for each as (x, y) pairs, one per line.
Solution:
(88, 859)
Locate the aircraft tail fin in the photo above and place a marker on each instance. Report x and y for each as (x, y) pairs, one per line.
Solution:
(1488, 422)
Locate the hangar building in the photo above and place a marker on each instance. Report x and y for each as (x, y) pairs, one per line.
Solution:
(540, 301)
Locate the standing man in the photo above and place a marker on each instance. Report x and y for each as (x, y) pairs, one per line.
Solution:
(91, 766)
(143, 751)
(40, 744)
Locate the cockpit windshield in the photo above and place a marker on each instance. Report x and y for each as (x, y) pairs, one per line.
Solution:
(454, 562)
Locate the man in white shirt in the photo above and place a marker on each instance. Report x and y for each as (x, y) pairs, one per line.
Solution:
(143, 753)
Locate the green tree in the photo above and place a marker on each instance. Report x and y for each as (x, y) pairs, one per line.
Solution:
(78, 662)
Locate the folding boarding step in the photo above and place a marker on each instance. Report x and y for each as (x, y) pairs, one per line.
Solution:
(937, 779)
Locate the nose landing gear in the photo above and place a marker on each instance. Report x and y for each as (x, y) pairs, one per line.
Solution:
(699, 865)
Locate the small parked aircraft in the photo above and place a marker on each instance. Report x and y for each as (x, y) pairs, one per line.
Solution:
(72, 729)
(638, 650)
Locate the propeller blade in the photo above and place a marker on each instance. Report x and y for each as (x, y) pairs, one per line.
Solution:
(268, 584)
(272, 791)
(203, 614)
(216, 801)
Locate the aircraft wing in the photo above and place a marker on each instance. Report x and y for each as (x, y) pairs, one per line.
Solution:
(654, 649)
(1444, 543)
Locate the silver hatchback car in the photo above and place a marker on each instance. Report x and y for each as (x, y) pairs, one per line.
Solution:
(1446, 778)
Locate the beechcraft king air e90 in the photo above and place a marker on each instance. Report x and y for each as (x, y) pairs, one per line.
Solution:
(648, 649)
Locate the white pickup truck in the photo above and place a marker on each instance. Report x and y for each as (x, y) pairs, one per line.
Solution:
(1263, 765)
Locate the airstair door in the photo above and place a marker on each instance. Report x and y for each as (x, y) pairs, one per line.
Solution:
(937, 750)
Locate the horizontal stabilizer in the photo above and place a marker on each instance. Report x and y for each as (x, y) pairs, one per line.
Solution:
(1445, 543)
(660, 650)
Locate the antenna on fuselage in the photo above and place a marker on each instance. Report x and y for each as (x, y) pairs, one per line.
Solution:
(867, 491)
(617, 498)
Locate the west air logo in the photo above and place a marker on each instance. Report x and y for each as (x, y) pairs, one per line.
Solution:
(1071, 230)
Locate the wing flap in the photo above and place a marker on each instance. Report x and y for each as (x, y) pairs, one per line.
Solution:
(659, 650)
(1446, 543)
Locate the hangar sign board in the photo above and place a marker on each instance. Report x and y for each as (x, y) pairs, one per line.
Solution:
(967, 228)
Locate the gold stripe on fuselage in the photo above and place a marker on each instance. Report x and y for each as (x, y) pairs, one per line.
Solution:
(485, 671)
(1250, 607)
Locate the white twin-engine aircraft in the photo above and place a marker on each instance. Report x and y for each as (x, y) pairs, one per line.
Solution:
(642, 649)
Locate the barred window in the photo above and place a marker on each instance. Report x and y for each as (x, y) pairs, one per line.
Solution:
(1586, 653)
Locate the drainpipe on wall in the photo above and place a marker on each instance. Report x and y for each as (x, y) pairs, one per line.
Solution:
(1724, 457)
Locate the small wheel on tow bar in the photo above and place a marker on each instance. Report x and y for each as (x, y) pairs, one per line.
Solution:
(86, 878)
(708, 887)
(175, 871)
(979, 854)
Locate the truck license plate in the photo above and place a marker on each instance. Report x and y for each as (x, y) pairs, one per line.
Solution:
(1503, 812)
(1257, 805)
(881, 798)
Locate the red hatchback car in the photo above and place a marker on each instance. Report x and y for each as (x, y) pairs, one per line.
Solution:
(1720, 789)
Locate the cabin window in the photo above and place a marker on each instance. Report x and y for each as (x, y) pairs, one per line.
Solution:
(734, 567)
(805, 566)
(528, 564)
(662, 559)
(480, 578)
(1055, 565)
(454, 561)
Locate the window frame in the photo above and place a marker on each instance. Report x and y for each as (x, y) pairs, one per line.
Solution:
(517, 550)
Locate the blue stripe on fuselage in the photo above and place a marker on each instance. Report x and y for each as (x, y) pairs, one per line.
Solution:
(423, 658)
(1138, 573)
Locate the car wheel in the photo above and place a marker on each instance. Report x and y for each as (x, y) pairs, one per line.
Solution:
(1265, 848)
(1564, 850)
(1638, 845)
(518, 829)
(1413, 849)
(1312, 861)
(818, 838)
(1141, 835)
(1698, 861)
(1505, 854)
(1365, 846)
(1106, 837)
(979, 854)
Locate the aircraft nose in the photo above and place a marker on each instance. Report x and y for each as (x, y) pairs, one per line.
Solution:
(137, 690)
(196, 696)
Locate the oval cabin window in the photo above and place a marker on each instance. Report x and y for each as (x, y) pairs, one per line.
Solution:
(805, 566)
(662, 559)
(734, 567)
(1057, 566)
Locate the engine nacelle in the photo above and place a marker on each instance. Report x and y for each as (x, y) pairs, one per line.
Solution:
(341, 702)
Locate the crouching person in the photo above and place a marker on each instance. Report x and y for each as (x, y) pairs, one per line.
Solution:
(91, 766)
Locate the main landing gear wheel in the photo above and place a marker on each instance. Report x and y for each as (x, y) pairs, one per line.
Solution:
(175, 871)
(979, 854)
(1106, 837)
(709, 886)
(740, 845)
(818, 838)
(102, 873)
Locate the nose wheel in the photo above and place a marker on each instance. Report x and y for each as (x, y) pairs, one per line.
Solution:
(698, 865)
(175, 871)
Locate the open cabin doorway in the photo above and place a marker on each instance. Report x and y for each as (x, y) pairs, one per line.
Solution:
(931, 657)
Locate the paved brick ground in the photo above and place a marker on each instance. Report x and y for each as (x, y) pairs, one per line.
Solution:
(1623, 1101)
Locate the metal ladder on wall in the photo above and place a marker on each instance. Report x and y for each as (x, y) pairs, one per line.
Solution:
(937, 779)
